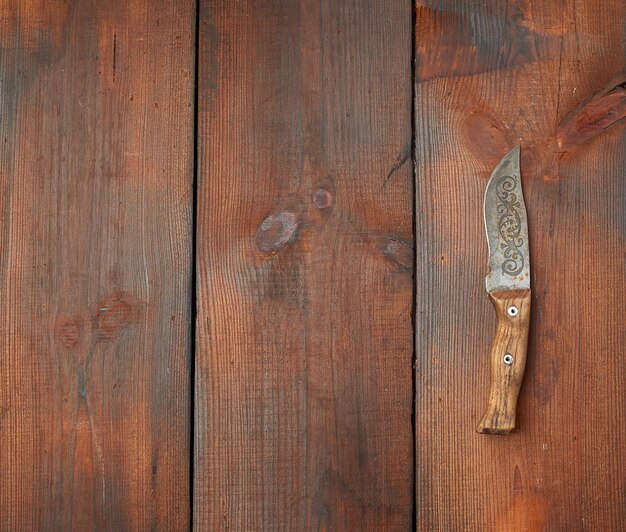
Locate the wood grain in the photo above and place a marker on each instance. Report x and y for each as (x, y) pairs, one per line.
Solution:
(303, 371)
(96, 174)
(507, 359)
(491, 75)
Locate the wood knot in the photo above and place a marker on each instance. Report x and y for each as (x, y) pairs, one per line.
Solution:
(486, 136)
(606, 108)
(276, 231)
(397, 251)
(115, 313)
(322, 198)
(69, 330)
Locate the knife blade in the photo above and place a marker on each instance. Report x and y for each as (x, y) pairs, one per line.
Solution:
(508, 286)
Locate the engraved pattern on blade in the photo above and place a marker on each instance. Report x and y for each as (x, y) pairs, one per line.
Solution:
(506, 227)
(510, 226)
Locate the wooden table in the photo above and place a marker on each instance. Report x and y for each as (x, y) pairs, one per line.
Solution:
(242, 264)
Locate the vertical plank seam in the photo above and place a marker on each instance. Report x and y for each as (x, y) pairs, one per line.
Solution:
(194, 257)
(414, 279)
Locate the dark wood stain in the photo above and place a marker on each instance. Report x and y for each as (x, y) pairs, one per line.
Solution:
(95, 210)
(456, 40)
(303, 369)
(491, 75)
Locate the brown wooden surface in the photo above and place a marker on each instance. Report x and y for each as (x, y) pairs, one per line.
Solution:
(490, 75)
(96, 172)
(304, 243)
(303, 375)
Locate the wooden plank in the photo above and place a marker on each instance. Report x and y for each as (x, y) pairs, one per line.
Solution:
(488, 76)
(96, 173)
(303, 369)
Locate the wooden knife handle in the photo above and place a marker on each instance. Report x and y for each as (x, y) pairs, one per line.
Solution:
(508, 359)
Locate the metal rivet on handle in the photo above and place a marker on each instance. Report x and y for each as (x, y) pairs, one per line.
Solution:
(508, 359)
(512, 311)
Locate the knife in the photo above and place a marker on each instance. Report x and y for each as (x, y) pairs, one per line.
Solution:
(508, 286)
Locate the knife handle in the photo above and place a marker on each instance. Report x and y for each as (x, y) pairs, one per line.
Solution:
(508, 359)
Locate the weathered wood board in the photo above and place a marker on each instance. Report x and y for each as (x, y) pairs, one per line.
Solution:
(304, 346)
(96, 177)
(490, 75)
